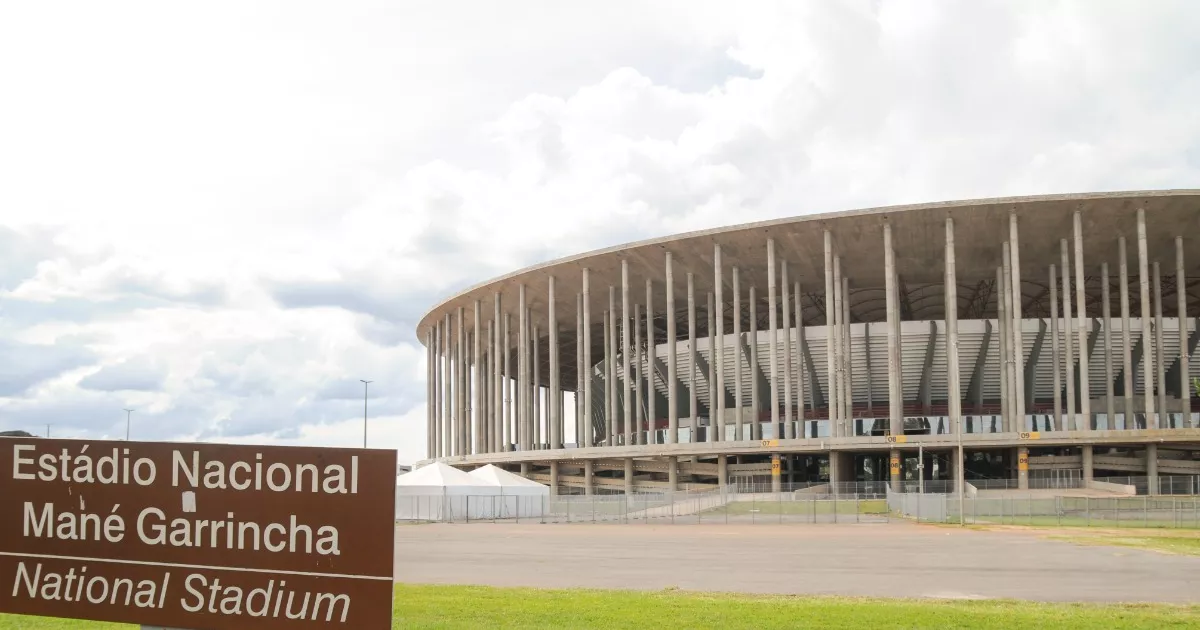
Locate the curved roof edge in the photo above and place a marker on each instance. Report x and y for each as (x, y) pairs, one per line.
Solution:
(806, 218)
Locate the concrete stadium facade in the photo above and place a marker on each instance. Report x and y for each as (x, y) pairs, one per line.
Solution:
(823, 349)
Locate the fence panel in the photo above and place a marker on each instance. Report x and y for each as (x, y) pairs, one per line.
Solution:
(858, 502)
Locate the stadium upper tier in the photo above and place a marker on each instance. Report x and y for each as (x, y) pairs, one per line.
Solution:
(843, 320)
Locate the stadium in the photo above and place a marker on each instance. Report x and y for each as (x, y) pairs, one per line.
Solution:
(1019, 343)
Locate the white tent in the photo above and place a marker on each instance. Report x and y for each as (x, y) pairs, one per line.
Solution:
(438, 492)
(520, 497)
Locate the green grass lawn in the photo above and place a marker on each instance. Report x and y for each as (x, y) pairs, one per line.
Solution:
(484, 607)
(1174, 541)
(1094, 521)
(1179, 541)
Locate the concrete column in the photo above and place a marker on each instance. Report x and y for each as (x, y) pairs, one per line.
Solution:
(755, 403)
(430, 395)
(722, 470)
(628, 476)
(639, 432)
(1160, 354)
(555, 411)
(1017, 295)
(1073, 422)
(439, 393)
(951, 292)
(954, 461)
(739, 431)
(497, 420)
(773, 337)
(448, 387)
(612, 423)
(452, 387)
(460, 426)
(526, 469)
(586, 439)
(535, 384)
(1056, 357)
(647, 363)
(1126, 337)
(1086, 455)
(801, 399)
(1148, 356)
(455, 386)
(893, 468)
(830, 322)
(776, 481)
(580, 416)
(1084, 327)
(553, 478)
(717, 350)
(493, 397)
(847, 345)
(507, 432)
(1110, 406)
(801, 367)
(1022, 468)
(588, 467)
(607, 387)
(626, 375)
(672, 473)
(1016, 421)
(672, 379)
(1181, 306)
(895, 402)
(692, 352)
(443, 384)
(672, 389)
(477, 430)
(465, 379)
(789, 431)
(523, 406)
(1152, 467)
(436, 401)
(714, 388)
(1004, 323)
(837, 387)
(898, 339)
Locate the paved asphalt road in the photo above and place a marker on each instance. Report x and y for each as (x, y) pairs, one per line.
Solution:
(883, 560)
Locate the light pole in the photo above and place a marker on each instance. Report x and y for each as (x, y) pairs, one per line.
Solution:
(365, 385)
(47, 429)
(127, 413)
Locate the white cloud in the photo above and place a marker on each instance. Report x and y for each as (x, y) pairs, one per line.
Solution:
(261, 200)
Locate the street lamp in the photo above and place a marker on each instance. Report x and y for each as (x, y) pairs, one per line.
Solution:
(127, 413)
(365, 384)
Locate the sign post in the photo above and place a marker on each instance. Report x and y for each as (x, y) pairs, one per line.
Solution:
(180, 535)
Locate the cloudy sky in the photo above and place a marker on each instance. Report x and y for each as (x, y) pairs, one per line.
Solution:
(224, 214)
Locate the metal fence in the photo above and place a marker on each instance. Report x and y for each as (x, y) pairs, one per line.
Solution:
(725, 505)
(923, 507)
(1165, 484)
(1143, 511)
(852, 502)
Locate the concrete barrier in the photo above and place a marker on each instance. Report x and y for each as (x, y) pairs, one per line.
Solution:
(1112, 487)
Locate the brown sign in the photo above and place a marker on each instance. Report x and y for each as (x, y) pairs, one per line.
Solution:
(197, 535)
